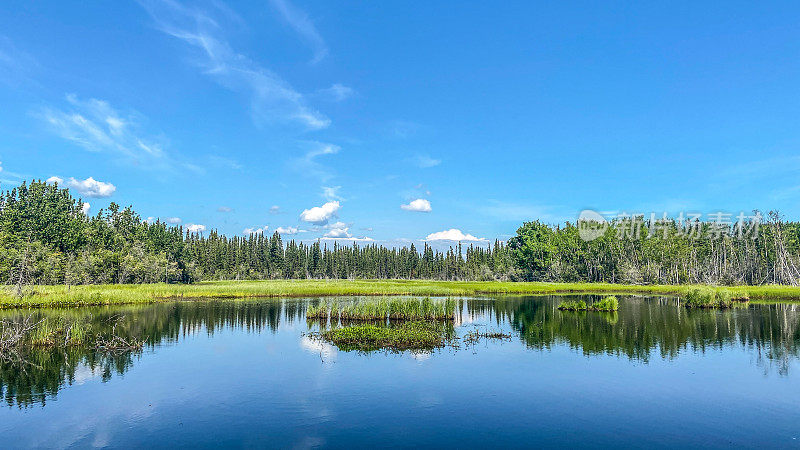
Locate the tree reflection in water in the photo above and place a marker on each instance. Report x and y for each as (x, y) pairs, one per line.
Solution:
(643, 328)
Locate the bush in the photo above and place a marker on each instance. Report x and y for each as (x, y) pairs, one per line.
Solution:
(609, 303)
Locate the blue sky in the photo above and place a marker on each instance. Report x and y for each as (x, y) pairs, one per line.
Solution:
(399, 122)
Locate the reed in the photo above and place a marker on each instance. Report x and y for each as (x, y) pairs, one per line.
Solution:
(713, 298)
(607, 304)
(572, 305)
(383, 309)
(416, 335)
(109, 294)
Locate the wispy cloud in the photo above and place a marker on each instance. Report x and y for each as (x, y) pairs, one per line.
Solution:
(403, 128)
(331, 192)
(225, 162)
(272, 99)
(96, 126)
(336, 93)
(425, 161)
(308, 164)
(15, 65)
(299, 21)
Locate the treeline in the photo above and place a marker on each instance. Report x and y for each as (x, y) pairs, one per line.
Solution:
(45, 238)
(757, 250)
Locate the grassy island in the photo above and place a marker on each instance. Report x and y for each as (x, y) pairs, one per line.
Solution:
(417, 335)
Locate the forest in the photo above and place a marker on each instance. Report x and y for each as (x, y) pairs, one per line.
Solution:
(45, 238)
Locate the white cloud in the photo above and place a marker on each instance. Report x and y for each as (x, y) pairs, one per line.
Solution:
(224, 209)
(425, 161)
(289, 230)
(319, 215)
(341, 230)
(96, 126)
(88, 187)
(85, 208)
(195, 228)
(274, 209)
(337, 92)
(338, 230)
(249, 231)
(1, 166)
(300, 22)
(349, 239)
(168, 220)
(271, 98)
(452, 234)
(419, 205)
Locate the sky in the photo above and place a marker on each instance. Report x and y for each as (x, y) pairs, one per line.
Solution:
(399, 122)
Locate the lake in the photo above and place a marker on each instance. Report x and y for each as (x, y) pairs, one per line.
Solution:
(247, 374)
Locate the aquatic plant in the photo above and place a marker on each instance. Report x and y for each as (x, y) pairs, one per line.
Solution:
(415, 335)
(572, 305)
(475, 336)
(382, 309)
(609, 303)
(711, 298)
(117, 294)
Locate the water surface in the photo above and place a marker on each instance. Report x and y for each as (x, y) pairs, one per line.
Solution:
(246, 374)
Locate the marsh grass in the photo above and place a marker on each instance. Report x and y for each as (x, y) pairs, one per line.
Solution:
(414, 335)
(607, 304)
(708, 298)
(94, 295)
(383, 309)
(63, 332)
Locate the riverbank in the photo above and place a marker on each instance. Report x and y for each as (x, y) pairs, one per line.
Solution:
(91, 295)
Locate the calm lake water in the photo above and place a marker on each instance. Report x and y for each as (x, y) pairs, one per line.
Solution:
(244, 374)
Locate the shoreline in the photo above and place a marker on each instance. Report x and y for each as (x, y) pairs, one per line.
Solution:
(42, 296)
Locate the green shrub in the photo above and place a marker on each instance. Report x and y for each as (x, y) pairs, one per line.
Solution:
(609, 303)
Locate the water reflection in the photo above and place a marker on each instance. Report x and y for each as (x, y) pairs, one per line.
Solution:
(642, 329)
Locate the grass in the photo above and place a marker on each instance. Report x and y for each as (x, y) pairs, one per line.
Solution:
(417, 335)
(92, 295)
(713, 298)
(607, 304)
(62, 332)
(395, 309)
(572, 305)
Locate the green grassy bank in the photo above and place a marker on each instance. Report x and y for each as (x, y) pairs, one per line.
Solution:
(87, 295)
